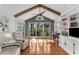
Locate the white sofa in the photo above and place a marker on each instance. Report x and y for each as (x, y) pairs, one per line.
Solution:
(24, 42)
(8, 45)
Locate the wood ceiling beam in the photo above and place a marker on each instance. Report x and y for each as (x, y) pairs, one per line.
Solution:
(36, 16)
(37, 6)
(51, 10)
(25, 11)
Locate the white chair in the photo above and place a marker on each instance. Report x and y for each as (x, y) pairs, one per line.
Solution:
(23, 42)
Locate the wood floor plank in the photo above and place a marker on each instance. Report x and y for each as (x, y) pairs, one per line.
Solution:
(43, 47)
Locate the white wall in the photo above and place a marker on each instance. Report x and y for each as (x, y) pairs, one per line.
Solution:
(10, 17)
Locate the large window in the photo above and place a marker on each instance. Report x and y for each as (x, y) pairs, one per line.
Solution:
(40, 29)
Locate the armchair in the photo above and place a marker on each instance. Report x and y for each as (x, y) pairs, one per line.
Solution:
(23, 42)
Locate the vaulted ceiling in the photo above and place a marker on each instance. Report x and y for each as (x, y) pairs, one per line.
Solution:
(39, 7)
(37, 10)
(13, 9)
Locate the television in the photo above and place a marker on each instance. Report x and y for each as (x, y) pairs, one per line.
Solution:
(74, 32)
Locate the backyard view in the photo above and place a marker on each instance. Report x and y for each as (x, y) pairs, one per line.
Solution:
(40, 29)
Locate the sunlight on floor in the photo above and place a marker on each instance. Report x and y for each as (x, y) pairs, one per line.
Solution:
(40, 46)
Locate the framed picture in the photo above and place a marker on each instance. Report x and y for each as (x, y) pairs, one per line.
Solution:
(4, 22)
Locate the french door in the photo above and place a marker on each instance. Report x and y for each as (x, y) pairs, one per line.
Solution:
(39, 29)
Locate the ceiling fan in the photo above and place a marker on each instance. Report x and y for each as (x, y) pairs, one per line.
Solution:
(40, 13)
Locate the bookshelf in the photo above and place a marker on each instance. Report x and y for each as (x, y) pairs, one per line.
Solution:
(67, 42)
(65, 26)
(74, 21)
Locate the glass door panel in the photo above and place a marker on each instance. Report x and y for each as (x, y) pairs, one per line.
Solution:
(40, 29)
(33, 29)
(46, 29)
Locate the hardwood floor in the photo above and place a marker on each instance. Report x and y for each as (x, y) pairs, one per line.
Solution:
(43, 47)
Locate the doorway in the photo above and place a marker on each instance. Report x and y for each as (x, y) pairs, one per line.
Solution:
(40, 29)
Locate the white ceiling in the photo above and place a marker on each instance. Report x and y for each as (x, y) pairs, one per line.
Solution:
(21, 7)
(62, 7)
(12, 9)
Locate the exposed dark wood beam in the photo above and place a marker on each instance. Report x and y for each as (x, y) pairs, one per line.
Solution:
(48, 18)
(38, 15)
(39, 5)
(51, 10)
(25, 11)
(32, 17)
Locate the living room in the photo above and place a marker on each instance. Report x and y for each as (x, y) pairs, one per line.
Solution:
(39, 29)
